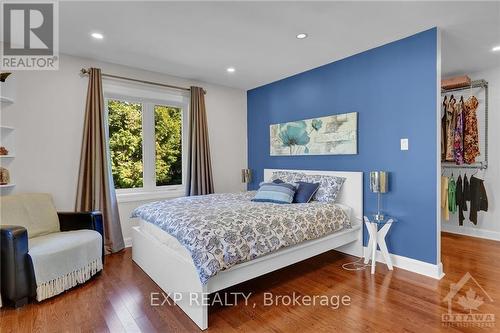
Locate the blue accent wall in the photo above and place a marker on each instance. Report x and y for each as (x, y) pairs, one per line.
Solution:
(393, 89)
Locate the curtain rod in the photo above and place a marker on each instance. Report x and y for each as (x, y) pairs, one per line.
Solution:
(85, 71)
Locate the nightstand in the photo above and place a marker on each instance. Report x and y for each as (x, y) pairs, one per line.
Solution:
(377, 237)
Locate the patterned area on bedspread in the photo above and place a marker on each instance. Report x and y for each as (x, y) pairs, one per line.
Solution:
(222, 230)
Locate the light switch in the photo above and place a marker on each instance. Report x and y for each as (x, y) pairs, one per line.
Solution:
(404, 144)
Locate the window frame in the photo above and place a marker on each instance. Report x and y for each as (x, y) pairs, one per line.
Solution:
(149, 98)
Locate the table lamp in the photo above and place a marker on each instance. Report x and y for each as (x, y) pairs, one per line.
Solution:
(379, 184)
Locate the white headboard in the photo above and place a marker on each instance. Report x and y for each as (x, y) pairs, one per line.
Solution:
(351, 193)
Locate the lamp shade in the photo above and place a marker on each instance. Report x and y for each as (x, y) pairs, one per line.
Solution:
(246, 176)
(379, 181)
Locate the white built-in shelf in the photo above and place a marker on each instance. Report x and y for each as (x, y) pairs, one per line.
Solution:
(8, 89)
(7, 139)
(6, 100)
(7, 133)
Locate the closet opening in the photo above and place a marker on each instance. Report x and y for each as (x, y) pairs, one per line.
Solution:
(466, 178)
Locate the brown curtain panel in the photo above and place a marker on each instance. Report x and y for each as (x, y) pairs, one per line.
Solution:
(199, 177)
(95, 183)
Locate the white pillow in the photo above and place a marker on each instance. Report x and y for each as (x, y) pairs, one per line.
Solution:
(288, 176)
(329, 187)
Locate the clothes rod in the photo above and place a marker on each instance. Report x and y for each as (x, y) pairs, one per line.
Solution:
(481, 166)
(85, 71)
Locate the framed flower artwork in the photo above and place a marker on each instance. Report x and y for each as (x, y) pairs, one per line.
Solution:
(330, 135)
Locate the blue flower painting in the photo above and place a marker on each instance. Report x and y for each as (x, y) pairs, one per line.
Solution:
(294, 134)
(336, 134)
(316, 124)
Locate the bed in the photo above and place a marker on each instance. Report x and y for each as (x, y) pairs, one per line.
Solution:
(170, 256)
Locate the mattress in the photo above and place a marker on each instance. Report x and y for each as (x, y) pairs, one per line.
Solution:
(219, 231)
(164, 238)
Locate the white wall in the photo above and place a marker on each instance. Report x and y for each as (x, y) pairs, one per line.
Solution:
(488, 225)
(48, 116)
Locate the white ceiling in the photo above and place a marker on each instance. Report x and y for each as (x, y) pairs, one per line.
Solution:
(199, 40)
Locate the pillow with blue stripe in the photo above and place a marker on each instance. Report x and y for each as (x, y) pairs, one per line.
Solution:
(281, 193)
(305, 191)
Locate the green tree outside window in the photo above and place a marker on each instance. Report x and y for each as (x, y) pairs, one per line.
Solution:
(126, 141)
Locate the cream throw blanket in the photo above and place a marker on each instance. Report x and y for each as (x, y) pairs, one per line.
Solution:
(62, 260)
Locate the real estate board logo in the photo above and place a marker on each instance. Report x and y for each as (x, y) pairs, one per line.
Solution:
(464, 299)
(29, 36)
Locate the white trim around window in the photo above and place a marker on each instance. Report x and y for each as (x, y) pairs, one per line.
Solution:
(149, 97)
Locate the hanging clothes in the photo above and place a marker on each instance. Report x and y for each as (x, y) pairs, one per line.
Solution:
(460, 198)
(452, 202)
(479, 199)
(450, 128)
(466, 190)
(444, 107)
(471, 132)
(458, 143)
(444, 198)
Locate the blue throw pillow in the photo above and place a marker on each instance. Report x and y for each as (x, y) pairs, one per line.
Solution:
(305, 192)
(282, 193)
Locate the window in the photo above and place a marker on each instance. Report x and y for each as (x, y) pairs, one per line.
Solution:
(168, 144)
(146, 143)
(125, 143)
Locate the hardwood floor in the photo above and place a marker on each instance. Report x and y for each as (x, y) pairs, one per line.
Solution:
(118, 300)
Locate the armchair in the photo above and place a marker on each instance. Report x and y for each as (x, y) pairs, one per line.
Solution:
(30, 230)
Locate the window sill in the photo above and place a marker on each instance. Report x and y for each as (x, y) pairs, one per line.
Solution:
(146, 196)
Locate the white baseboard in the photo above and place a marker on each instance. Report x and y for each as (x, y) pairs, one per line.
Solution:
(470, 231)
(412, 265)
(128, 241)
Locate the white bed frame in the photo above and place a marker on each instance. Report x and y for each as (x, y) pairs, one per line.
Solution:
(176, 276)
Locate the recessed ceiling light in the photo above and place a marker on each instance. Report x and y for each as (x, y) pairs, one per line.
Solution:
(230, 70)
(97, 35)
(301, 36)
(496, 48)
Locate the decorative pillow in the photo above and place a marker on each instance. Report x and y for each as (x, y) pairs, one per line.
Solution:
(276, 181)
(305, 192)
(329, 187)
(277, 193)
(288, 176)
(34, 211)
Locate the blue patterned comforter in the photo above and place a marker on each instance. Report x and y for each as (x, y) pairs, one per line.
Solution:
(222, 230)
